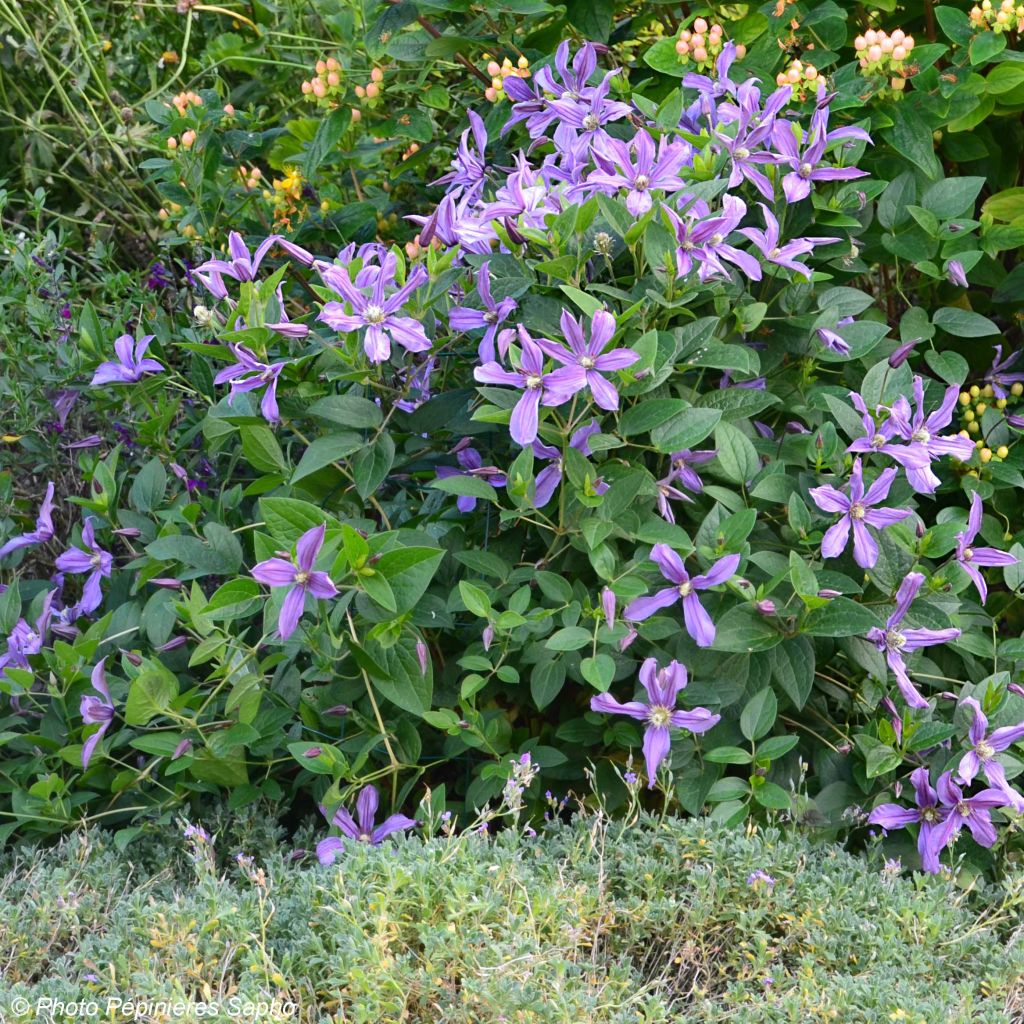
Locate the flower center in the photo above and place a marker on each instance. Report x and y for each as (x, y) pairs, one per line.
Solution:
(742, 153)
(857, 510)
(805, 170)
(895, 640)
(365, 837)
(985, 750)
(968, 554)
(591, 123)
(878, 441)
(587, 363)
(930, 815)
(774, 254)
(640, 182)
(533, 381)
(685, 589)
(490, 317)
(659, 715)
(921, 436)
(717, 238)
(963, 809)
(373, 314)
(301, 577)
(96, 559)
(687, 246)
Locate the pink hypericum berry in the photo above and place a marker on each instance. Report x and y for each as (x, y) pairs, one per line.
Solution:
(376, 75)
(319, 89)
(700, 54)
(682, 47)
(700, 25)
(321, 67)
(332, 78)
(373, 90)
(898, 53)
(875, 54)
(360, 91)
(306, 88)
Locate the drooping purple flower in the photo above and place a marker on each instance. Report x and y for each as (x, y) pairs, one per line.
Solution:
(469, 168)
(895, 642)
(982, 755)
(533, 381)
(360, 829)
(753, 128)
(659, 714)
(472, 464)
(970, 557)
(955, 274)
(928, 814)
(683, 463)
(417, 386)
(784, 255)
(921, 431)
(638, 168)
(43, 531)
(997, 376)
(96, 711)
(131, 362)
(608, 606)
(685, 589)
(548, 479)
(241, 266)
(857, 511)
(377, 314)
(91, 559)
(491, 317)
(972, 811)
(667, 493)
(585, 360)
(834, 341)
(249, 374)
(299, 576)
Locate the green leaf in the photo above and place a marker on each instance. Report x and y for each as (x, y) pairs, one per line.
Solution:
(402, 680)
(986, 45)
(952, 197)
(911, 136)
(773, 796)
(466, 487)
(729, 755)
(792, 667)
(372, 463)
(594, 18)
(572, 638)
(599, 671)
(150, 694)
(758, 715)
(328, 134)
(234, 599)
(962, 323)
(737, 458)
(409, 572)
(949, 366)
(475, 599)
(648, 414)
(590, 304)
(686, 430)
(348, 411)
(546, 682)
(288, 518)
(326, 450)
(775, 747)
(261, 450)
(840, 617)
(742, 630)
(149, 486)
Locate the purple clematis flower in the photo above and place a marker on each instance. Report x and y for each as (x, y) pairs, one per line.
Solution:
(532, 379)
(660, 714)
(922, 433)
(241, 266)
(955, 274)
(469, 168)
(585, 361)
(96, 711)
(769, 244)
(667, 493)
(43, 531)
(685, 589)
(973, 811)
(857, 511)
(894, 642)
(299, 576)
(638, 168)
(248, 374)
(131, 362)
(982, 755)
(834, 341)
(586, 115)
(377, 313)
(970, 557)
(997, 376)
(25, 640)
(361, 828)
(491, 317)
(702, 241)
(682, 467)
(928, 814)
(878, 438)
(92, 560)
(472, 464)
(548, 479)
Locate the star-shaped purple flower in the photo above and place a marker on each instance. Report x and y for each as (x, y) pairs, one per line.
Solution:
(769, 242)
(585, 360)
(969, 557)
(249, 374)
(698, 623)
(361, 828)
(490, 318)
(241, 266)
(982, 755)
(683, 463)
(928, 814)
(972, 811)
(96, 711)
(91, 559)
(997, 376)
(43, 531)
(299, 576)
(131, 362)
(857, 511)
(659, 714)
(894, 642)
(469, 168)
(638, 168)
(879, 438)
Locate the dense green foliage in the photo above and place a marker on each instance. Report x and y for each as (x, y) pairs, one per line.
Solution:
(655, 922)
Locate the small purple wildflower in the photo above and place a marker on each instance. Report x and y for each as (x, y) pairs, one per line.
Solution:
(249, 374)
(361, 828)
(43, 531)
(130, 365)
(92, 560)
(491, 317)
(96, 711)
(982, 755)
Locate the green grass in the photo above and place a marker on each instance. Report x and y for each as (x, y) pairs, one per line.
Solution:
(590, 922)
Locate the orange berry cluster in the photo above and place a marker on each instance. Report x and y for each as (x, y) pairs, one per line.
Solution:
(184, 100)
(325, 86)
(1004, 18)
(881, 53)
(250, 176)
(703, 44)
(499, 72)
(800, 76)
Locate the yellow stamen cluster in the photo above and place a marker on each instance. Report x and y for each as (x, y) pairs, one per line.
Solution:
(702, 44)
(286, 197)
(499, 72)
(184, 100)
(1007, 17)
